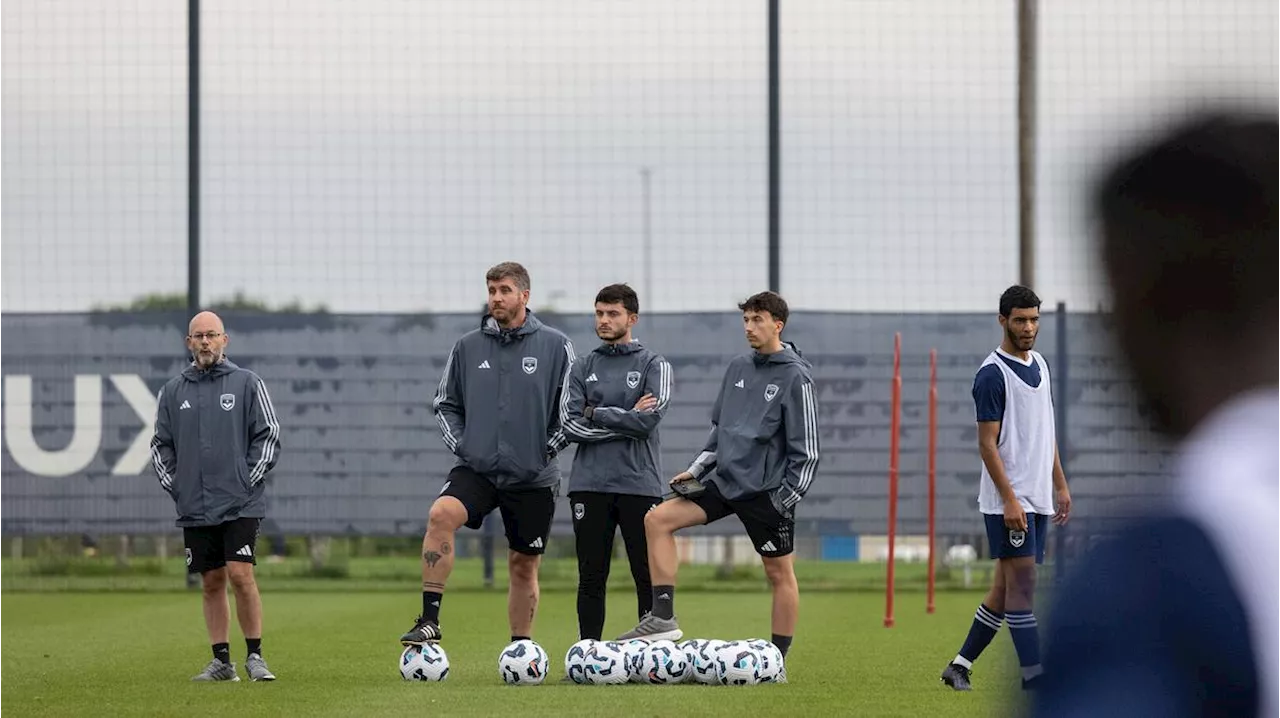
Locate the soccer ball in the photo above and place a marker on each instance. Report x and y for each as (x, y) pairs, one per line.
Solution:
(424, 663)
(772, 665)
(606, 664)
(701, 656)
(663, 662)
(634, 650)
(738, 664)
(523, 663)
(575, 660)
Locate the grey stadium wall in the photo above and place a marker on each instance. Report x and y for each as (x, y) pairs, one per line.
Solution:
(362, 452)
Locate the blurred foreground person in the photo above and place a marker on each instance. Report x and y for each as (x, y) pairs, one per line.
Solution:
(1177, 614)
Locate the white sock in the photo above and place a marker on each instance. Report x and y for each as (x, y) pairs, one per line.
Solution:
(960, 660)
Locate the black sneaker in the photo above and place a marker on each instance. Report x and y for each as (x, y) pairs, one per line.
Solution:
(957, 676)
(423, 631)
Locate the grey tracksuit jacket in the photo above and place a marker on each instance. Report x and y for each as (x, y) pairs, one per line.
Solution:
(216, 439)
(618, 447)
(498, 403)
(764, 430)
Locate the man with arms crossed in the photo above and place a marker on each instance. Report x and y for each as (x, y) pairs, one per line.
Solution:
(764, 450)
(1021, 476)
(498, 405)
(614, 399)
(216, 439)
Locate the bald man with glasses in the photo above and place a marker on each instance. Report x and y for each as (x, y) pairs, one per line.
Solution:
(216, 439)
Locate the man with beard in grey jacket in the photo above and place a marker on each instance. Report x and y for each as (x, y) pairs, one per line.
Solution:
(764, 450)
(613, 401)
(216, 439)
(498, 406)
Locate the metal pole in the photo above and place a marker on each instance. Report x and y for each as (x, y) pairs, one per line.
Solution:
(193, 177)
(193, 157)
(775, 154)
(645, 178)
(1026, 142)
(1060, 421)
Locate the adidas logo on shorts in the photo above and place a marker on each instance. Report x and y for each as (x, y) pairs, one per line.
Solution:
(768, 546)
(536, 543)
(245, 550)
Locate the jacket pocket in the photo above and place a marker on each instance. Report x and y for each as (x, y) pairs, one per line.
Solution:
(242, 477)
(175, 493)
(775, 500)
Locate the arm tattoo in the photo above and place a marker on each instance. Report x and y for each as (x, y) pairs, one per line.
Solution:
(432, 558)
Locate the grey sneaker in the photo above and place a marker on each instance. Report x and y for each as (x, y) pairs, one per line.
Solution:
(652, 628)
(217, 671)
(957, 676)
(257, 668)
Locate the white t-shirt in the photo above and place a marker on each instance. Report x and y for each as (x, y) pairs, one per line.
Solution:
(1229, 483)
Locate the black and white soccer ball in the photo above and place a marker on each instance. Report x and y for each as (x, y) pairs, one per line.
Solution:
(606, 664)
(772, 665)
(701, 656)
(575, 660)
(523, 663)
(663, 662)
(738, 664)
(427, 662)
(634, 650)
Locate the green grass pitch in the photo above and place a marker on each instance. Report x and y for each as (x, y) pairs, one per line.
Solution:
(335, 652)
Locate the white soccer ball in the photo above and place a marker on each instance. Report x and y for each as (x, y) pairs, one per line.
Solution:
(575, 660)
(634, 650)
(772, 666)
(738, 664)
(663, 662)
(701, 655)
(424, 663)
(523, 663)
(606, 664)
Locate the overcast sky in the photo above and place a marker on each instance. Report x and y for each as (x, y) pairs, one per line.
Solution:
(379, 155)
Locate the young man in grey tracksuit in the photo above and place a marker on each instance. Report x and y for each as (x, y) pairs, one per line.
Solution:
(498, 406)
(764, 449)
(613, 400)
(216, 439)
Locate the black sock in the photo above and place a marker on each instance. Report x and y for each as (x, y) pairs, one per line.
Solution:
(783, 643)
(986, 623)
(1026, 641)
(431, 605)
(520, 638)
(222, 652)
(254, 645)
(663, 599)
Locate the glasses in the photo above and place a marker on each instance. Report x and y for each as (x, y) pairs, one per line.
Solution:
(201, 336)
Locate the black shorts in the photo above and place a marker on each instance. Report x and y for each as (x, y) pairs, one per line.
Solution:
(526, 513)
(1007, 543)
(210, 547)
(771, 532)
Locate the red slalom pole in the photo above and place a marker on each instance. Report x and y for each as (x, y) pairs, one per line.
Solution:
(933, 466)
(895, 407)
